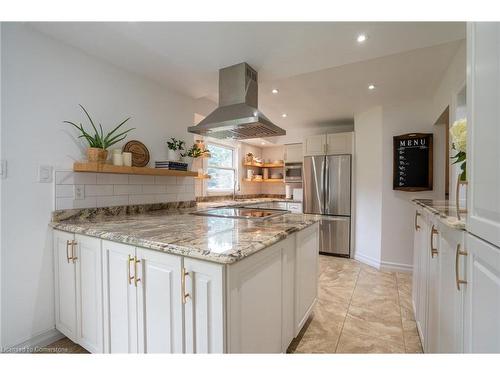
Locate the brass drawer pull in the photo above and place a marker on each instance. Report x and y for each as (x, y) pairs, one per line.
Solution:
(417, 227)
(68, 242)
(130, 260)
(457, 277)
(434, 251)
(136, 279)
(184, 295)
(73, 257)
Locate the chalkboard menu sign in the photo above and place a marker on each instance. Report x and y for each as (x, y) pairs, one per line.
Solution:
(412, 162)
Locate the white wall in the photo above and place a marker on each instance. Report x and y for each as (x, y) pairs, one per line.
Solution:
(397, 211)
(368, 186)
(43, 82)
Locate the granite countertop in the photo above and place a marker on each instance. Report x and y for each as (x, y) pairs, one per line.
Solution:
(242, 202)
(446, 210)
(220, 240)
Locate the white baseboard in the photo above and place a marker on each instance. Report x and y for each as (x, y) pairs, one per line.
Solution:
(396, 267)
(367, 260)
(40, 340)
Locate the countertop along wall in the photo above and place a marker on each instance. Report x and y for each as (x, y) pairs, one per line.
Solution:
(43, 81)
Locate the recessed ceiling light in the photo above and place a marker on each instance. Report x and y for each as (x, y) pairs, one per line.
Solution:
(284, 115)
(371, 87)
(361, 38)
(262, 143)
(275, 91)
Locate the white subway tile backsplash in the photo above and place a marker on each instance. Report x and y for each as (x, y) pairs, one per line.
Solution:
(163, 198)
(142, 199)
(64, 203)
(185, 180)
(72, 178)
(182, 197)
(165, 180)
(112, 179)
(127, 189)
(98, 190)
(88, 202)
(64, 191)
(154, 189)
(141, 180)
(117, 200)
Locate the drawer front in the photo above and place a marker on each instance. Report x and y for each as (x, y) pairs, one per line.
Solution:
(296, 208)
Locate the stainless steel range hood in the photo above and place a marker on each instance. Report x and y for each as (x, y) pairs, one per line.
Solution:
(237, 116)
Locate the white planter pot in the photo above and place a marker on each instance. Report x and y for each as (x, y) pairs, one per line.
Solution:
(188, 160)
(173, 155)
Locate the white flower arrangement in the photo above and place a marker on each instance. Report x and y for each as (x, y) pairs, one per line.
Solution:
(458, 132)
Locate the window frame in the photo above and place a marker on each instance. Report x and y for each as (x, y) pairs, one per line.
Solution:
(234, 168)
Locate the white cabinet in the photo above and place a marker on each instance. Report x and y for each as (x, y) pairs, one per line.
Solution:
(288, 256)
(450, 326)
(339, 143)
(257, 327)
(279, 205)
(294, 207)
(433, 303)
(483, 153)
(482, 295)
(314, 145)
(65, 284)
(89, 293)
(159, 302)
(328, 144)
(120, 298)
(204, 307)
(142, 298)
(78, 292)
(306, 264)
(293, 153)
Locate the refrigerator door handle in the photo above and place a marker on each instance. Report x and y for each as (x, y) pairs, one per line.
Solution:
(326, 186)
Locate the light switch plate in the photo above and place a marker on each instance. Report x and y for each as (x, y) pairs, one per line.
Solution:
(45, 173)
(79, 192)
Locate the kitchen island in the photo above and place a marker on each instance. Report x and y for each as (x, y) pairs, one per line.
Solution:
(170, 281)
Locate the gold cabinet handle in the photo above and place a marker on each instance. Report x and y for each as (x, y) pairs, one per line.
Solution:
(417, 227)
(136, 279)
(434, 251)
(457, 277)
(130, 260)
(73, 257)
(68, 242)
(184, 295)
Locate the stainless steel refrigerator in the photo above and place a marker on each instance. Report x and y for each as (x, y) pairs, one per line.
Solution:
(327, 192)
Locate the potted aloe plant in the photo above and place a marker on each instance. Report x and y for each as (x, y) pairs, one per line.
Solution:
(99, 143)
(175, 147)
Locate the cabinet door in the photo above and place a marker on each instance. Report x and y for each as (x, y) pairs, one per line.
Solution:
(306, 291)
(159, 302)
(288, 292)
(255, 304)
(203, 310)
(339, 143)
(483, 153)
(295, 208)
(423, 268)
(65, 284)
(433, 304)
(450, 328)
(416, 258)
(314, 145)
(482, 296)
(293, 153)
(89, 293)
(120, 299)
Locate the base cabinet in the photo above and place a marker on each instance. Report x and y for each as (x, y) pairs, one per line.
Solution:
(117, 298)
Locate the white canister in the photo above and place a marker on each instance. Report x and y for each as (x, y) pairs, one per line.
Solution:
(249, 174)
(117, 159)
(127, 159)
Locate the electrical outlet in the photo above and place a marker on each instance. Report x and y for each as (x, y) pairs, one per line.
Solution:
(45, 173)
(79, 192)
(3, 168)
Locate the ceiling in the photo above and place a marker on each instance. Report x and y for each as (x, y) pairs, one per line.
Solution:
(321, 71)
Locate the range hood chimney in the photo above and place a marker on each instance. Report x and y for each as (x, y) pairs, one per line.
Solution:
(237, 116)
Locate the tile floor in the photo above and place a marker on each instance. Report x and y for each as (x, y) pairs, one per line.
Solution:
(359, 310)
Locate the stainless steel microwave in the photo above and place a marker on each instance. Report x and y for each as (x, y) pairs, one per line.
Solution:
(293, 172)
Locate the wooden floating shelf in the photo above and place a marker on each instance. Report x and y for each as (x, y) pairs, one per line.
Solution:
(206, 177)
(263, 165)
(262, 180)
(109, 168)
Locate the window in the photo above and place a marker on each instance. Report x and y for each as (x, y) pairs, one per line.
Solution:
(221, 168)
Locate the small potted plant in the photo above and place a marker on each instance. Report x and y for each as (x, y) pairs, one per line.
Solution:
(99, 143)
(194, 152)
(175, 147)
